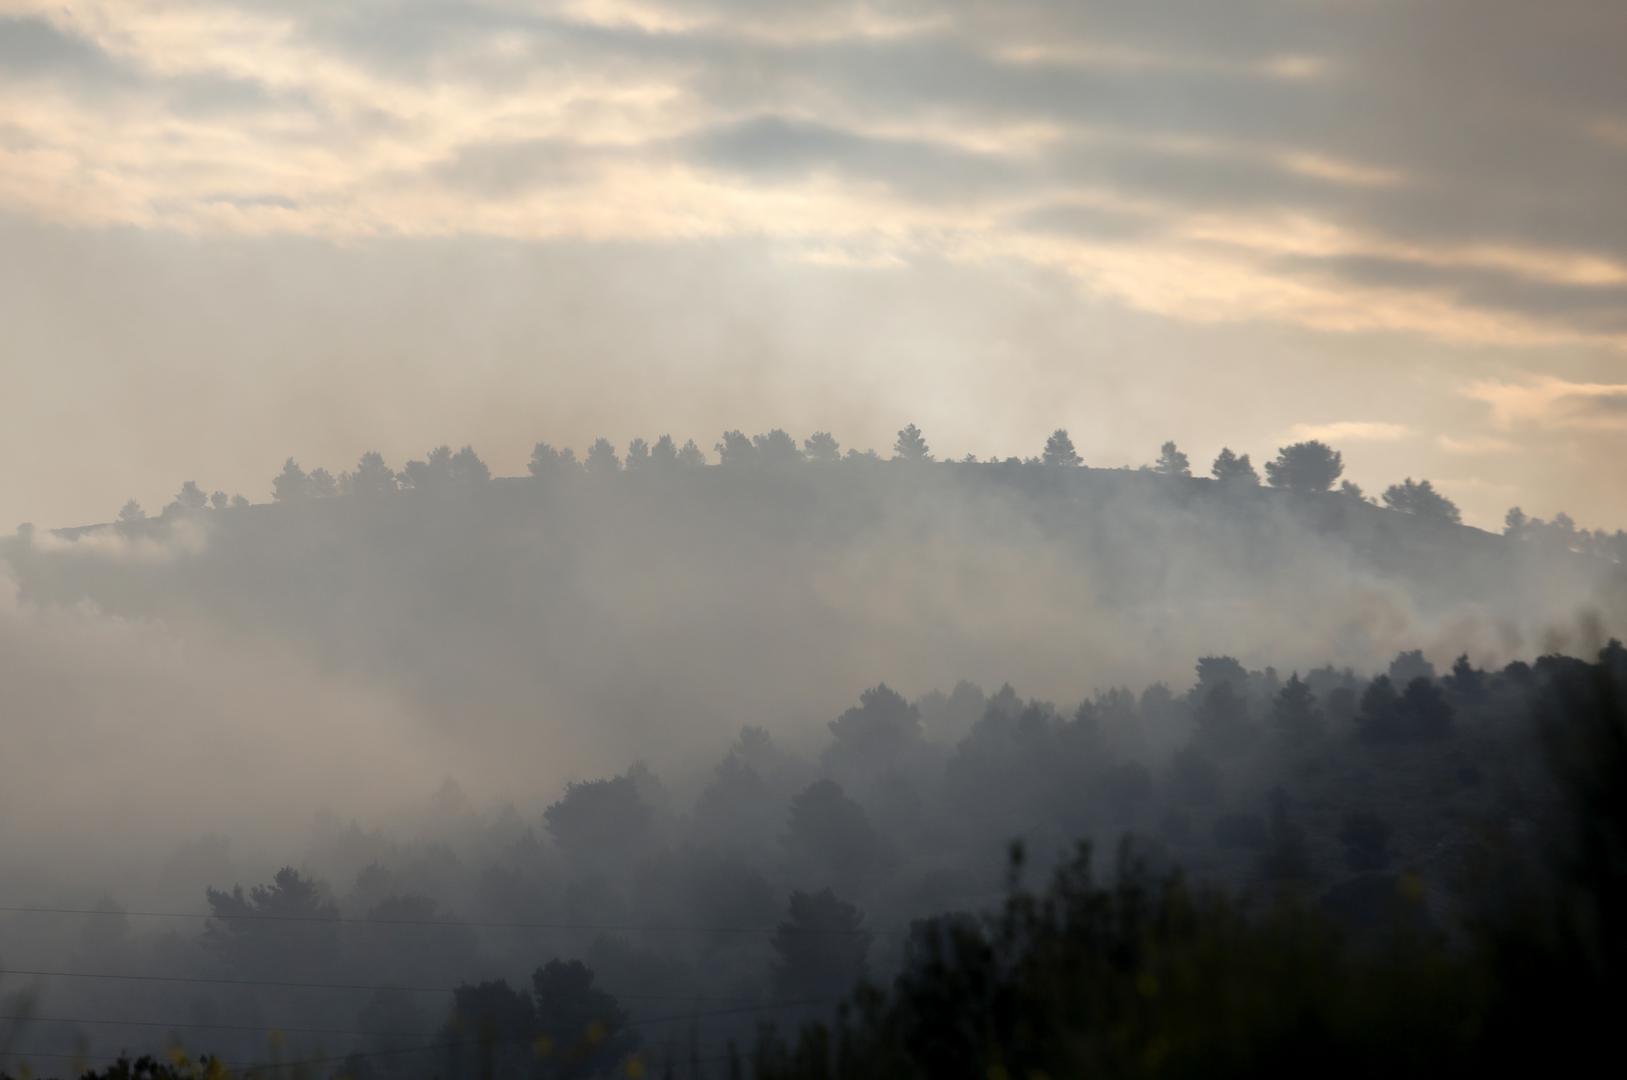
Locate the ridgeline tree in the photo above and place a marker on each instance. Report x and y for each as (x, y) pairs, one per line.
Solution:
(1059, 449)
(638, 455)
(321, 484)
(1421, 500)
(1311, 466)
(372, 479)
(1171, 461)
(776, 448)
(466, 467)
(821, 447)
(735, 449)
(602, 459)
(547, 462)
(1231, 470)
(911, 445)
(664, 454)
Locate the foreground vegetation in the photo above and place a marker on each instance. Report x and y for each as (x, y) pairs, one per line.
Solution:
(1138, 969)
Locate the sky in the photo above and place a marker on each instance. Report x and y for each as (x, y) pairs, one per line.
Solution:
(236, 231)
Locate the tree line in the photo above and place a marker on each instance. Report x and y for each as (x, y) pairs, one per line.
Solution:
(1329, 872)
(1307, 467)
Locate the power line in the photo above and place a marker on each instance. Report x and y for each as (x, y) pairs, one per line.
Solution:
(295, 1029)
(336, 1058)
(459, 1043)
(282, 984)
(447, 923)
(267, 1028)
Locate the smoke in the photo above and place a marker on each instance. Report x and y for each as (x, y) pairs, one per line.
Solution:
(524, 634)
(125, 738)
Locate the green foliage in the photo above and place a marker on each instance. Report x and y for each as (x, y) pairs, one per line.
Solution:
(1142, 976)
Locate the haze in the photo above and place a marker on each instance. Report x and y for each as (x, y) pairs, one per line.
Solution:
(235, 231)
(629, 537)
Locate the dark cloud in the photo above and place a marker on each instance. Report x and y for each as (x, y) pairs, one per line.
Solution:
(777, 148)
(1581, 306)
(1074, 219)
(513, 167)
(34, 48)
(1608, 408)
(1451, 124)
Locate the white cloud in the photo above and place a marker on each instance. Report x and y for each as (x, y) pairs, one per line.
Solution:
(1350, 431)
(1474, 444)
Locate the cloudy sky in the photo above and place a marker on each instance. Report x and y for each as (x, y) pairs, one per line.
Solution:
(239, 230)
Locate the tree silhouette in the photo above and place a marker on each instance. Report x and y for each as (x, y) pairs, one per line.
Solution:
(1515, 523)
(600, 819)
(1425, 712)
(1409, 665)
(830, 838)
(1378, 719)
(735, 449)
(601, 459)
(372, 479)
(1223, 719)
(1232, 470)
(491, 1030)
(776, 448)
(219, 500)
(321, 484)
(1294, 712)
(1467, 681)
(132, 512)
(467, 468)
(1305, 466)
(434, 473)
(690, 455)
(821, 447)
(581, 1030)
(638, 455)
(547, 462)
(1421, 500)
(1171, 461)
(192, 497)
(285, 926)
(820, 949)
(881, 730)
(911, 445)
(1059, 449)
(664, 454)
(291, 484)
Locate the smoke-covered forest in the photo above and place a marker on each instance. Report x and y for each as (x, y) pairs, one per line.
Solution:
(789, 763)
(819, 540)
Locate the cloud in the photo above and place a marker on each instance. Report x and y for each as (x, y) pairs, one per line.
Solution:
(1454, 175)
(1474, 444)
(1552, 402)
(34, 48)
(1350, 431)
